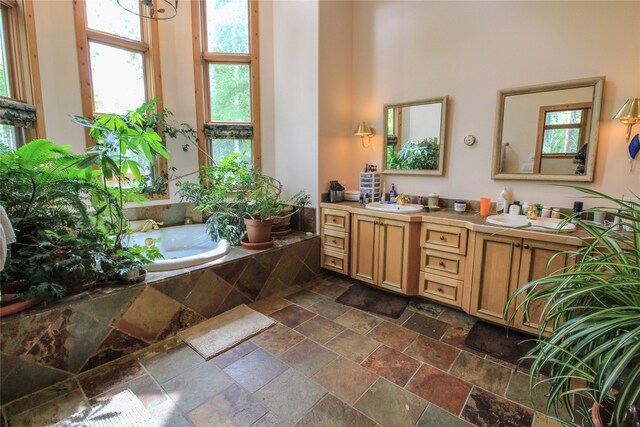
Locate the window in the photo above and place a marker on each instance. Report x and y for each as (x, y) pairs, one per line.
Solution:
(119, 60)
(20, 94)
(226, 58)
(562, 129)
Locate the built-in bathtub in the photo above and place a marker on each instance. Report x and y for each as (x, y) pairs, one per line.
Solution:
(182, 246)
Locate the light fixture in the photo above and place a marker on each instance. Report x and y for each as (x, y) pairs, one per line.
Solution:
(154, 9)
(629, 114)
(363, 130)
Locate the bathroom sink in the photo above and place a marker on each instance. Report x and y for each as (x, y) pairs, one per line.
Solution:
(530, 224)
(393, 208)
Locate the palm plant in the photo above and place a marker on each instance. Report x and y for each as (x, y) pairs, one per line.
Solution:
(594, 308)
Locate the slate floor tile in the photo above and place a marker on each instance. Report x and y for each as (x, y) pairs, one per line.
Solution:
(320, 329)
(433, 352)
(233, 354)
(485, 409)
(270, 304)
(352, 345)
(329, 309)
(196, 386)
(455, 336)
(481, 372)
(427, 326)
(308, 357)
(390, 405)
(277, 339)
(233, 407)
(519, 391)
(175, 361)
(358, 321)
(437, 417)
(292, 315)
(255, 370)
(145, 389)
(305, 298)
(391, 364)
(436, 386)
(392, 335)
(345, 379)
(290, 396)
(169, 415)
(106, 377)
(52, 411)
(331, 411)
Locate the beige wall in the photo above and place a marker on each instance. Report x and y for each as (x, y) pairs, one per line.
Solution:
(408, 50)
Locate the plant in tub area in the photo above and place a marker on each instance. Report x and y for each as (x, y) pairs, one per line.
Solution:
(594, 308)
(238, 198)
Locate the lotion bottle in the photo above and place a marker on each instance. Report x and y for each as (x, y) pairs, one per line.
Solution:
(503, 202)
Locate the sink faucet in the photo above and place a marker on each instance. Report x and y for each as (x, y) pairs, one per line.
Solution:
(150, 224)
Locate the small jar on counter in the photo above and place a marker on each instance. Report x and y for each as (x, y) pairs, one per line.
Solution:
(460, 206)
(555, 213)
(546, 212)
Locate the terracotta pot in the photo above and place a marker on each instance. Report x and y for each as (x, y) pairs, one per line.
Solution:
(258, 231)
(19, 306)
(82, 288)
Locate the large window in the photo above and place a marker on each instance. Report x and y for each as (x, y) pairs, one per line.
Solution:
(20, 120)
(119, 60)
(226, 57)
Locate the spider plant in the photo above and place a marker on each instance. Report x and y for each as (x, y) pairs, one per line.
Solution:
(594, 308)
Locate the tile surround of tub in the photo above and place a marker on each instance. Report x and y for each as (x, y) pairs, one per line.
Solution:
(51, 343)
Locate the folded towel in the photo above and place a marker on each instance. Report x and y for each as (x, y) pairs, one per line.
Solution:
(7, 236)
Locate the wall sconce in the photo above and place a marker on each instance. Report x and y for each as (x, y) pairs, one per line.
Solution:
(363, 130)
(629, 114)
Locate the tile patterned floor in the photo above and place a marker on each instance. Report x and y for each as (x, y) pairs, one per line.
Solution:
(323, 364)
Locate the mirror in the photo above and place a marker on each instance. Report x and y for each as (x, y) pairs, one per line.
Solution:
(414, 137)
(548, 132)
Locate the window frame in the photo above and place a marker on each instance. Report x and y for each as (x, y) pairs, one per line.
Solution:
(23, 65)
(203, 59)
(586, 108)
(148, 46)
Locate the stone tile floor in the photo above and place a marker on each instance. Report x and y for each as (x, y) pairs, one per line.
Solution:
(323, 364)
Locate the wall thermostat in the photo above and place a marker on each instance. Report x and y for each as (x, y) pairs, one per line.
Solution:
(469, 140)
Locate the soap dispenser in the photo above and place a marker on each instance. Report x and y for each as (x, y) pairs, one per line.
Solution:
(503, 202)
(393, 193)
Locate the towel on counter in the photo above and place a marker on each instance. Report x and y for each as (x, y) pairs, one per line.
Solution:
(7, 236)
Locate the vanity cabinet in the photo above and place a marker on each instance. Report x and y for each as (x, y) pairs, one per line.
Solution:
(502, 264)
(335, 234)
(384, 252)
(443, 251)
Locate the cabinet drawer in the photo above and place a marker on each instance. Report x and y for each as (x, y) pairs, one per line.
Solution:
(442, 263)
(335, 240)
(336, 261)
(441, 288)
(444, 238)
(335, 219)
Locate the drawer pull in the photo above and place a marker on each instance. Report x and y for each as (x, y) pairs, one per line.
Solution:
(333, 220)
(333, 261)
(527, 246)
(441, 263)
(442, 238)
(517, 245)
(441, 290)
(334, 241)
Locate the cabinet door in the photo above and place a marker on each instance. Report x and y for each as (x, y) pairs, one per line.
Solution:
(495, 274)
(539, 259)
(392, 256)
(364, 248)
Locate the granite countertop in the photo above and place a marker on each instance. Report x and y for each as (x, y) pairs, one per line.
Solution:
(469, 220)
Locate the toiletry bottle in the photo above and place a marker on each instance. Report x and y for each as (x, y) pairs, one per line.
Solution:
(502, 202)
(515, 208)
(393, 193)
(525, 208)
(420, 200)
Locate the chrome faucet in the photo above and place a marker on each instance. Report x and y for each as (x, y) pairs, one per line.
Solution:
(150, 224)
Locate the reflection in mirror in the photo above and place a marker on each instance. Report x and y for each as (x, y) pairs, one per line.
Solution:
(548, 132)
(415, 137)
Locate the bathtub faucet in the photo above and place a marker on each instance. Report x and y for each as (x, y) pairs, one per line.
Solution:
(150, 224)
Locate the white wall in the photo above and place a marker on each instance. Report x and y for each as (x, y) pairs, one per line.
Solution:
(408, 50)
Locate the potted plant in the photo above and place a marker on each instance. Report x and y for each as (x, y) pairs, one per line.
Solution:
(127, 265)
(594, 308)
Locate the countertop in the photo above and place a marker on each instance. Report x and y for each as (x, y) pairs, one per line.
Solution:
(469, 220)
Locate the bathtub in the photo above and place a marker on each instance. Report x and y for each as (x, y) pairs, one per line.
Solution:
(182, 246)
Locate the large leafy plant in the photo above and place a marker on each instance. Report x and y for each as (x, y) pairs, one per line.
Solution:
(414, 155)
(594, 308)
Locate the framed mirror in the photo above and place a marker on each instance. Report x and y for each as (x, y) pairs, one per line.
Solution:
(548, 132)
(414, 137)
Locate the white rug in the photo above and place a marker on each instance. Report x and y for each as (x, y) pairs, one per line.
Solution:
(226, 330)
(123, 409)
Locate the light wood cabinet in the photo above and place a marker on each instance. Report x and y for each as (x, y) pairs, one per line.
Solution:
(334, 233)
(501, 265)
(384, 252)
(442, 263)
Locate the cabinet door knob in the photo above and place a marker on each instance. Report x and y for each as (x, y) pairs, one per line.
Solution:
(333, 220)
(441, 263)
(526, 246)
(441, 237)
(517, 245)
(441, 290)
